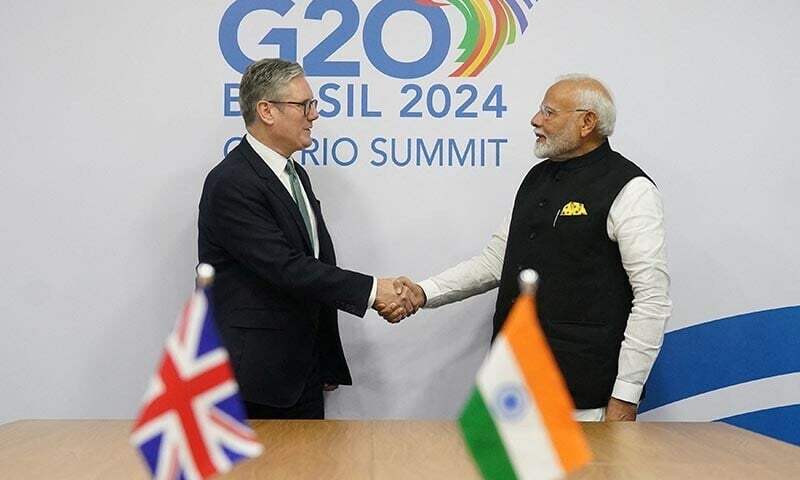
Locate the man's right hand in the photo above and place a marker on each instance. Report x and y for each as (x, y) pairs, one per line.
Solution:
(398, 298)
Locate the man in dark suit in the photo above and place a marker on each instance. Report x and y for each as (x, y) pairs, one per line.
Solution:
(277, 287)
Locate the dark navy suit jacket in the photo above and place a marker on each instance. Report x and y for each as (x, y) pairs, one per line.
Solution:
(275, 303)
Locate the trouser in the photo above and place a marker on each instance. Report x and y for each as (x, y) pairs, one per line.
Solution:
(310, 405)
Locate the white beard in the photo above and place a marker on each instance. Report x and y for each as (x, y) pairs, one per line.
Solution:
(554, 145)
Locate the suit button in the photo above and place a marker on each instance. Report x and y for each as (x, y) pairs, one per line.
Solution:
(543, 204)
(532, 235)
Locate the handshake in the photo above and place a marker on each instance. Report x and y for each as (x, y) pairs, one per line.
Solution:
(398, 298)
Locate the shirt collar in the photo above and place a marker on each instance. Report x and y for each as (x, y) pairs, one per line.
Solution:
(274, 160)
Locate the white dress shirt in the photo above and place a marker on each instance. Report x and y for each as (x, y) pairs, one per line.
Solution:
(636, 223)
(277, 163)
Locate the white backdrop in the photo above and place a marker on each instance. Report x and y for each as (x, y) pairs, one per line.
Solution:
(112, 114)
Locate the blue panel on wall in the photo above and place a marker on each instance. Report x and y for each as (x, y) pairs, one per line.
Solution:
(782, 423)
(728, 352)
(724, 352)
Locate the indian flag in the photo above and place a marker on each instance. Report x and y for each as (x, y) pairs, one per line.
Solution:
(518, 420)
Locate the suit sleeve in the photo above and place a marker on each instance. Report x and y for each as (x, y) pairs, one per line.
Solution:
(247, 229)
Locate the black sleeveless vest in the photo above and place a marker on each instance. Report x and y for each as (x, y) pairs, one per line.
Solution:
(558, 228)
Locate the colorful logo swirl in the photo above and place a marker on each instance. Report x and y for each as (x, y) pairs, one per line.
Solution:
(490, 25)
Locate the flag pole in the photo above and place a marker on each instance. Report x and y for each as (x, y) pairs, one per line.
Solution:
(205, 276)
(528, 282)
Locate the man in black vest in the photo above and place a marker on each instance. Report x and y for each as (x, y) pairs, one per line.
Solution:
(590, 222)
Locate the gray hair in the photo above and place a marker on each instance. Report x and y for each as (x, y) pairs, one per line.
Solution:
(265, 79)
(592, 95)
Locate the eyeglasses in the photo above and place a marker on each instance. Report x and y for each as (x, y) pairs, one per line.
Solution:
(549, 113)
(307, 105)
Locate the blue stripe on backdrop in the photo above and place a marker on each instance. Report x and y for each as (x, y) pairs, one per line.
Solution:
(724, 352)
(782, 423)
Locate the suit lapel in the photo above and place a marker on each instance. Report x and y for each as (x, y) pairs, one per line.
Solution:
(277, 188)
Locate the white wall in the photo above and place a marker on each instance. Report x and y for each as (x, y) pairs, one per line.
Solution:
(112, 115)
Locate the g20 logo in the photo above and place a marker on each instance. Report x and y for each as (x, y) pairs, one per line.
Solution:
(490, 25)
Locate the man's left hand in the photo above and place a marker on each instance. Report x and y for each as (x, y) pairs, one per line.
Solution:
(329, 387)
(620, 411)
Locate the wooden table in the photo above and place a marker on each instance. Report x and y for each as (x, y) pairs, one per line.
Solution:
(387, 449)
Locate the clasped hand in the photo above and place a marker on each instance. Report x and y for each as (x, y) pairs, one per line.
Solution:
(398, 298)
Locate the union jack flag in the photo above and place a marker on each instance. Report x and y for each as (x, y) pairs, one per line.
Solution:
(192, 423)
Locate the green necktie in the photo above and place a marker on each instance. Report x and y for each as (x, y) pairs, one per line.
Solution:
(297, 193)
